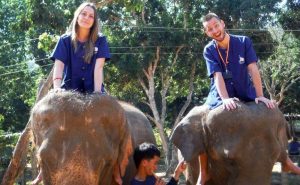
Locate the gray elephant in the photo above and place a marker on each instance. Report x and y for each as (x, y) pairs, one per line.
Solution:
(242, 145)
(86, 139)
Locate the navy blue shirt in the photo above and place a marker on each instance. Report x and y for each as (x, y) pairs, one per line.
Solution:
(150, 180)
(77, 74)
(241, 54)
(294, 148)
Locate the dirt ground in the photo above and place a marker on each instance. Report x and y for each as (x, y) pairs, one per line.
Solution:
(278, 178)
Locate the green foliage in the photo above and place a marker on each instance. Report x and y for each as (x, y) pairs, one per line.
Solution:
(281, 70)
(157, 137)
(1, 118)
(135, 29)
(29, 29)
(290, 17)
(292, 100)
(50, 17)
(135, 42)
(47, 42)
(16, 67)
(7, 144)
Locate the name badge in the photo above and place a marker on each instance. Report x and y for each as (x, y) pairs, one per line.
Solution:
(227, 75)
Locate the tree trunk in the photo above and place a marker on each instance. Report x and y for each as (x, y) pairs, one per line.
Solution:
(18, 161)
(173, 155)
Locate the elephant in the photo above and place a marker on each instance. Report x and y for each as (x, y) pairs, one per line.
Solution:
(242, 145)
(87, 139)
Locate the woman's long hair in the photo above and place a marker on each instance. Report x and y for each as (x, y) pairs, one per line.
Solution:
(94, 30)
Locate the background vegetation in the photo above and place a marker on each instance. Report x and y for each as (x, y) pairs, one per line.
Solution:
(156, 49)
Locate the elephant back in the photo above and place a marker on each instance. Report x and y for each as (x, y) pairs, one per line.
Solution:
(234, 137)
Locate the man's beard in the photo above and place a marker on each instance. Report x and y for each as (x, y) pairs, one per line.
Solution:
(224, 35)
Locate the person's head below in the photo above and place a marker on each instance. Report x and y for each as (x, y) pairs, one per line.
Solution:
(85, 28)
(214, 27)
(146, 157)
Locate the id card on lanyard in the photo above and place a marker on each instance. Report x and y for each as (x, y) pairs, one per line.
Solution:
(227, 74)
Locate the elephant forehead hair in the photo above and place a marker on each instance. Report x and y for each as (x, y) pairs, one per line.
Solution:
(73, 101)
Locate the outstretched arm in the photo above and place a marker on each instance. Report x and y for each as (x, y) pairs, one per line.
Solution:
(58, 74)
(254, 72)
(228, 103)
(98, 74)
(178, 171)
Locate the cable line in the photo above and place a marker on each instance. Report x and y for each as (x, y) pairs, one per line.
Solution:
(26, 62)
(9, 73)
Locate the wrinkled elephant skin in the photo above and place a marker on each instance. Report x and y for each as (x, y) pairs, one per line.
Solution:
(82, 138)
(242, 144)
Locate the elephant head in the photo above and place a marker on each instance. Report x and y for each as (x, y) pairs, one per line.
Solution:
(242, 145)
(80, 139)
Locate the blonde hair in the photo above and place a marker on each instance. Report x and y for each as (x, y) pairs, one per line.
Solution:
(209, 16)
(94, 30)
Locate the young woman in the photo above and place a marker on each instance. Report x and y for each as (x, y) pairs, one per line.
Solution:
(79, 56)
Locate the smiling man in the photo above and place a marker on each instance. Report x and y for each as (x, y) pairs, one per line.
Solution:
(146, 157)
(231, 64)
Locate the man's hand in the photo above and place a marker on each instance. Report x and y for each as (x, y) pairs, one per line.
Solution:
(179, 169)
(269, 103)
(229, 104)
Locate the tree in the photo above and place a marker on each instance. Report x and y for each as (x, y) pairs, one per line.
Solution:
(158, 58)
(280, 71)
(289, 18)
(16, 78)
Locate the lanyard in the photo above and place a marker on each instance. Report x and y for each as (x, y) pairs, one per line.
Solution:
(227, 53)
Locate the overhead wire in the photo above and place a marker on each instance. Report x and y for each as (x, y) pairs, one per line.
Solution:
(23, 70)
(142, 47)
(163, 28)
(25, 62)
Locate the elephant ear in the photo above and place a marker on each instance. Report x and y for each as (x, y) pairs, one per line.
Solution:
(283, 133)
(188, 134)
(125, 150)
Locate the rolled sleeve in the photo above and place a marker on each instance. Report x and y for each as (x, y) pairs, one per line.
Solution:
(60, 51)
(250, 56)
(103, 49)
(212, 63)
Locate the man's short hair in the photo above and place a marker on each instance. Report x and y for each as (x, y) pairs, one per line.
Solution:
(209, 16)
(145, 151)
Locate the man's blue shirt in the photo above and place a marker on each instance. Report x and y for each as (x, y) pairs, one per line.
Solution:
(79, 75)
(241, 54)
(151, 180)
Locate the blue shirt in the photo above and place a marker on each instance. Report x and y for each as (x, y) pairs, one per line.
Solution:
(78, 75)
(241, 54)
(150, 180)
(294, 148)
